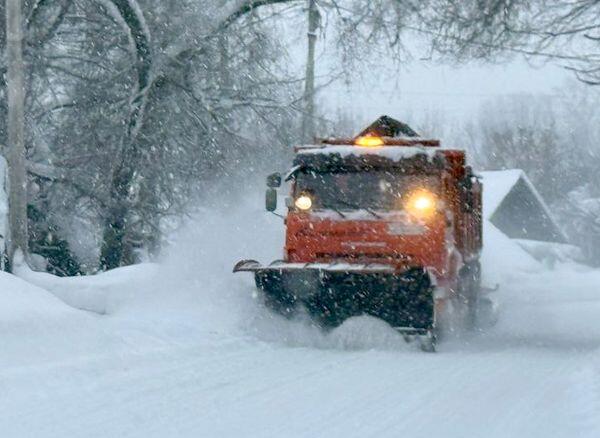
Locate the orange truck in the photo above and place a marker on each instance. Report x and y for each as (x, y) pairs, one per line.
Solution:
(386, 224)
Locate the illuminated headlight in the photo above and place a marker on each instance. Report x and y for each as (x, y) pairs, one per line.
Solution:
(303, 202)
(421, 203)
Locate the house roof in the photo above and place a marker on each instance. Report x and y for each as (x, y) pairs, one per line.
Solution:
(497, 185)
(506, 193)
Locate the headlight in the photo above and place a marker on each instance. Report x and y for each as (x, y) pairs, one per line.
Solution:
(303, 202)
(421, 203)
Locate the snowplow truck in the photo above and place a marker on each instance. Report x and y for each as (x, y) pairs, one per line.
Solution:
(387, 224)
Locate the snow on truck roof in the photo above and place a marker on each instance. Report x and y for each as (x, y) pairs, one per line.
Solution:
(394, 153)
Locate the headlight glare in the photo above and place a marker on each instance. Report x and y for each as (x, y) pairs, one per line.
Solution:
(303, 202)
(421, 203)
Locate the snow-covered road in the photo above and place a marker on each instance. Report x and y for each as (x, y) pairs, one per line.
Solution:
(183, 349)
(244, 389)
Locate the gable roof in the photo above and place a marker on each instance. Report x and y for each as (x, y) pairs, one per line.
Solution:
(497, 184)
(513, 205)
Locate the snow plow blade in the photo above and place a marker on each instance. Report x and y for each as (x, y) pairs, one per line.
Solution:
(332, 293)
(279, 265)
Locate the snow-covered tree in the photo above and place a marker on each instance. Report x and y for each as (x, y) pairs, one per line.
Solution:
(562, 31)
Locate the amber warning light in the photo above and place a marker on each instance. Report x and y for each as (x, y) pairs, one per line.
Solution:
(369, 141)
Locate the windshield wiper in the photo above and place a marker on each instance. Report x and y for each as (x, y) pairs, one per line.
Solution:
(342, 215)
(357, 207)
(370, 210)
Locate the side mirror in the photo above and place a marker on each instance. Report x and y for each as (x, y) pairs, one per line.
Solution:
(271, 199)
(274, 180)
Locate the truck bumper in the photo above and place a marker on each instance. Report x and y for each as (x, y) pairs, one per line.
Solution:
(332, 293)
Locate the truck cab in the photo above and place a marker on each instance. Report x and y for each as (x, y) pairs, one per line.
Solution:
(385, 223)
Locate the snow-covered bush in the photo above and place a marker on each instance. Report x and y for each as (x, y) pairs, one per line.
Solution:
(580, 215)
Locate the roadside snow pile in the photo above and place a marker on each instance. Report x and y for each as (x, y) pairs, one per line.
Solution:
(28, 307)
(503, 259)
(38, 328)
(558, 307)
(103, 294)
(540, 303)
(193, 288)
(551, 253)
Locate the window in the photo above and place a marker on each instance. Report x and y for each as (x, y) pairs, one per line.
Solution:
(379, 189)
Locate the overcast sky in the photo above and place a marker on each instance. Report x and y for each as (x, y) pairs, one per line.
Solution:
(424, 88)
(420, 88)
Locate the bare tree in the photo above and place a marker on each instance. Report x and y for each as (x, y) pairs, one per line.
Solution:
(134, 22)
(564, 31)
(17, 182)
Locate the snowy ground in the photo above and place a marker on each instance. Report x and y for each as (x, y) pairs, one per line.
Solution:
(183, 349)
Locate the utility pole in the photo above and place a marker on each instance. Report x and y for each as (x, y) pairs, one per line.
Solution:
(17, 178)
(308, 120)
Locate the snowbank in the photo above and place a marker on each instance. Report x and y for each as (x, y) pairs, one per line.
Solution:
(27, 305)
(193, 284)
(551, 253)
(103, 293)
(503, 259)
(38, 329)
(553, 308)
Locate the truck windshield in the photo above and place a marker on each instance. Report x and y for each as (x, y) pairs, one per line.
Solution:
(383, 190)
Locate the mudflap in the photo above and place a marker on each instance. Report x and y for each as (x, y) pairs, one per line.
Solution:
(404, 300)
